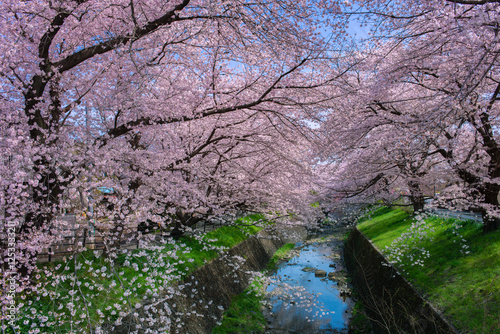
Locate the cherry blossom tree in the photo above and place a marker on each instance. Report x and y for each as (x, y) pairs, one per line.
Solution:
(183, 108)
(433, 68)
(371, 154)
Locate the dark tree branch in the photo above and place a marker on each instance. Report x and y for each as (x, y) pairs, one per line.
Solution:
(473, 2)
(118, 131)
(87, 53)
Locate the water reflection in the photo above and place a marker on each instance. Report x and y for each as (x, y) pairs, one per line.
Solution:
(301, 301)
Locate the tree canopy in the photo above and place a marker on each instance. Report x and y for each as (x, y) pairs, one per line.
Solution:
(195, 110)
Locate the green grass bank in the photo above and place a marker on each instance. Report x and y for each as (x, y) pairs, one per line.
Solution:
(451, 262)
(245, 314)
(88, 291)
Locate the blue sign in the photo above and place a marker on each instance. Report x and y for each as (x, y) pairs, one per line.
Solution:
(106, 190)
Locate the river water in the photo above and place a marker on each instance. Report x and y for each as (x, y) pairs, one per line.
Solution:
(302, 302)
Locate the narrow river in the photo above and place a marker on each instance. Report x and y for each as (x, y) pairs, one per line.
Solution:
(309, 292)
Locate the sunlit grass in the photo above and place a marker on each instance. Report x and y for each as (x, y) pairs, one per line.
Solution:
(462, 274)
(279, 256)
(244, 315)
(102, 283)
(385, 226)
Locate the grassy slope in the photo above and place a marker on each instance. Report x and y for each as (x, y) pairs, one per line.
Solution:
(465, 286)
(244, 314)
(187, 255)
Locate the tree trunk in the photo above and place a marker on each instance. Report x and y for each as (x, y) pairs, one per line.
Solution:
(181, 222)
(115, 237)
(46, 197)
(416, 196)
(491, 223)
(418, 204)
(177, 231)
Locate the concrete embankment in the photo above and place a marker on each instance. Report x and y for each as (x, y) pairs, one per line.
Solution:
(390, 301)
(200, 300)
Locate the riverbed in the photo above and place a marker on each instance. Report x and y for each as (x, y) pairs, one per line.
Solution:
(309, 292)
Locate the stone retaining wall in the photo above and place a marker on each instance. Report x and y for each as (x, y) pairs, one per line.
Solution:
(392, 304)
(203, 296)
